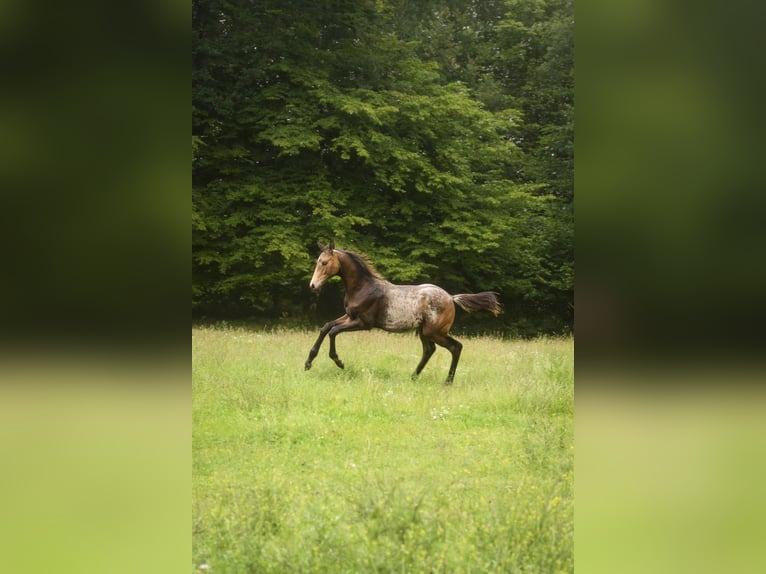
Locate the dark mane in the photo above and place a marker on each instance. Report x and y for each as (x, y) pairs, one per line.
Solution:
(363, 264)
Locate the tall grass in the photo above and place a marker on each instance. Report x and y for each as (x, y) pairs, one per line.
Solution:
(366, 470)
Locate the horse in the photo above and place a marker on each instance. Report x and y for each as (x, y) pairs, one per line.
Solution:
(372, 302)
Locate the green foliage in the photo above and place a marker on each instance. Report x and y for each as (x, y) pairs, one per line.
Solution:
(364, 470)
(417, 135)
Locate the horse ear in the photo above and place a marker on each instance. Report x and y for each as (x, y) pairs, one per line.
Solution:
(321, 246)
(332, 245)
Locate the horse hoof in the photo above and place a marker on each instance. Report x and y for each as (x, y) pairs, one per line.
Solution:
(307, 366)
(340, 364)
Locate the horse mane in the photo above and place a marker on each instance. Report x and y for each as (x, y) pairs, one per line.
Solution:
(363, 264)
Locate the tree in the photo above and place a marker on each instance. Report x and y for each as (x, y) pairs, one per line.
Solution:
(329, 119)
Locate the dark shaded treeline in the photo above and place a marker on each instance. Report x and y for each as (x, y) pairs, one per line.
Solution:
(435, 136)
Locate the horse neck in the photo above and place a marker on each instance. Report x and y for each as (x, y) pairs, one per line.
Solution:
(353, 277)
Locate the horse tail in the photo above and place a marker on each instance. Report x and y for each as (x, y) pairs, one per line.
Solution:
(486, 300)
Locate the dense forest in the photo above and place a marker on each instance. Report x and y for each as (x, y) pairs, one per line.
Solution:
(436, 136)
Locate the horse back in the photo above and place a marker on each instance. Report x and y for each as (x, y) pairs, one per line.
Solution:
(407, 307)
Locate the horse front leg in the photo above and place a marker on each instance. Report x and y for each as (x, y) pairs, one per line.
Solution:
(318, 343)
(346, 325)
(334, 353)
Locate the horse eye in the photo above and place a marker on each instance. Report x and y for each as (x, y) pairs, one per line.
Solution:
(324, 263)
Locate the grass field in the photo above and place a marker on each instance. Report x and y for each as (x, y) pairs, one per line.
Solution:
(365, 470)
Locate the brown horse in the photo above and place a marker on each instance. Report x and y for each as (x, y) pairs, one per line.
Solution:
(371, 301)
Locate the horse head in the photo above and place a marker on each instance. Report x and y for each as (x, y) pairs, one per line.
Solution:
(328, 265)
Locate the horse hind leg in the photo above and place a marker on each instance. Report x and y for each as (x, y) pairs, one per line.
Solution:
(428, 350)
(455, 347)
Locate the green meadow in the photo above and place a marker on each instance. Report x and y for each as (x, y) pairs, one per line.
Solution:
(366, 470)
